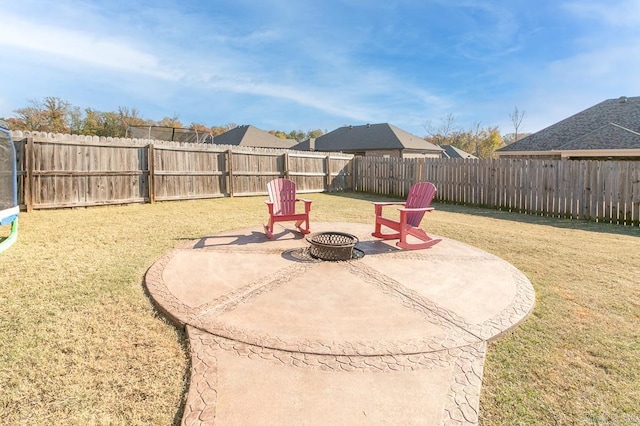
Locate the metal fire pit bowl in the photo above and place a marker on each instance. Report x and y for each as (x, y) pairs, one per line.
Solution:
(332, 246)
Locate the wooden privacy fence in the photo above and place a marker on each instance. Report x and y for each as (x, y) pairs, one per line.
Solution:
(78, 171)
(605, 191)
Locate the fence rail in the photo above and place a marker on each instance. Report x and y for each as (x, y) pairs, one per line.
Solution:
(71, 171)
(605, 191)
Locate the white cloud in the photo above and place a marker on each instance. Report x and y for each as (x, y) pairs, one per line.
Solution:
(600, 70)
(344, 95)
(314, 67)
(620, 13)
(77, 46)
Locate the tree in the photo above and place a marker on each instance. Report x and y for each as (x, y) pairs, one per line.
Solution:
(314, 133)
(218, 130)
(170, 122)
(31, 118)
(490, 142)
(278, 134)
(111, 125)
(199, 127)
(129, 117)
(298, 135)
(15, 123)
(441, 135)
(475, 131)
(56, 112)
(51, 115)
(76, 121)
(516, 118)
(510, 138)
(93, 123)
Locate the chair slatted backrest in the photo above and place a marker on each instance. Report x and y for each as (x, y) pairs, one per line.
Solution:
(282, 193)
(420, 195)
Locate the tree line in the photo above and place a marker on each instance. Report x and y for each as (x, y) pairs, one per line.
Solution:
(54, 115)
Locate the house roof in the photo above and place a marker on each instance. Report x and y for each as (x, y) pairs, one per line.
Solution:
(369, 137)
(451, 151)
(248, 135)
(612, 124)
(610, 136)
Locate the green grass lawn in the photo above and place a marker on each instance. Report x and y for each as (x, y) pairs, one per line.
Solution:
(81, 342)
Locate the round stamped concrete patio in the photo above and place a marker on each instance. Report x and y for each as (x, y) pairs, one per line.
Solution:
(277, 337)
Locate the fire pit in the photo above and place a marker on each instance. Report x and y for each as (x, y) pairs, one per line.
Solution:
(333, 246)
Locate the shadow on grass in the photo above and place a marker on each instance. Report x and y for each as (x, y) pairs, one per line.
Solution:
(532, 219)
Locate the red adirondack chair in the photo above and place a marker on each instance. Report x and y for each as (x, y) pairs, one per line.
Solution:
(282, 206)
(417, 204)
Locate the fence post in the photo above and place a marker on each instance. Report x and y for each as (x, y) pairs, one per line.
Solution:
(230, 172)
(352, 169)
(327, 179)
(151, 181)
(419, 177)
(285, 165)
(28, 184)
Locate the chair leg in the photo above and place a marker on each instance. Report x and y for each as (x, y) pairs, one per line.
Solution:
(403, 234)
(268, 228)
(378, 232)
(304, 230)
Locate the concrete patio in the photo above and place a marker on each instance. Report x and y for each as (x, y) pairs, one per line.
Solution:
(277, 337)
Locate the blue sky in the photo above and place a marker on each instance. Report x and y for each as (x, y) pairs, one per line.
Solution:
(303, 65)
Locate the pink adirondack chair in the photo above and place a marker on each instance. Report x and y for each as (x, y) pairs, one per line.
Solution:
(417, 204)
(282, 206)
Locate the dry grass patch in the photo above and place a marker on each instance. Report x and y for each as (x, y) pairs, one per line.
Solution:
(83, 344)
(576, 360)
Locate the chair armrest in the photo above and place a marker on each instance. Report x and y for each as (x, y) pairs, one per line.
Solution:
(388, 203)
(418, 209)
(378, 205)
(307, 204)
(269, 204)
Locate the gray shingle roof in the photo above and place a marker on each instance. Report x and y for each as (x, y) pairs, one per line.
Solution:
(252, 136)
(451, 151)
(612, 124)
(372, 137)
(611, 136)
(303, 146)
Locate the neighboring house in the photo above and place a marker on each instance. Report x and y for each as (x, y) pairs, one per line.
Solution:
(608, 130)
(380, 140)
(252, 136)
(451, 151)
